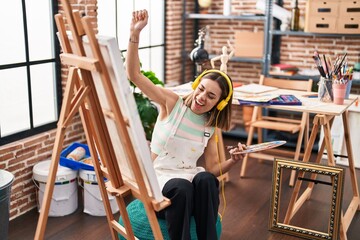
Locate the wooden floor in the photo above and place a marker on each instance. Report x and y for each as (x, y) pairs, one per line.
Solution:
(246, 214)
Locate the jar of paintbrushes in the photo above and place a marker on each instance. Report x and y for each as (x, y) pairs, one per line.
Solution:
(334, 77)
(325, 90)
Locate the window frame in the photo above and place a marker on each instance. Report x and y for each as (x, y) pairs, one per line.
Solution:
(27, 64)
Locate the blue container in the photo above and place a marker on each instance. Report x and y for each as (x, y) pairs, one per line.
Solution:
(348, 89)
(6, 179)
(75, 165)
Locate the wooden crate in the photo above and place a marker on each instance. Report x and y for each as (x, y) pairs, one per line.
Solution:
(324, 8)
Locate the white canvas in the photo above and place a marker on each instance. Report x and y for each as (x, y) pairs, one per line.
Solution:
(128, 107)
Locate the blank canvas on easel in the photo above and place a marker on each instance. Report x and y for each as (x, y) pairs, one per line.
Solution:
(127, 104)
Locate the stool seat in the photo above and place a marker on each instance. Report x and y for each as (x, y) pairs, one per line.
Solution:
(142, 229)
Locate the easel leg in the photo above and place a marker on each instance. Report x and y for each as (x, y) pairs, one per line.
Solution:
(355, 202)
(304, 122)
(59, 139)
(295, 204)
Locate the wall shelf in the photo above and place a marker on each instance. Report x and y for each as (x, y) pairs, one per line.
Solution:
(310, 34)
(242, 59)
(225, 17)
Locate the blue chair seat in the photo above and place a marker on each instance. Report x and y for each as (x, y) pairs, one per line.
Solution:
(141, 226)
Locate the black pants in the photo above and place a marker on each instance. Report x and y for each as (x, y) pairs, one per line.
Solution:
(199, 198)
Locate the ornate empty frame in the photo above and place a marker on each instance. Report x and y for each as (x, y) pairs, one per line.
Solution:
(309, 172)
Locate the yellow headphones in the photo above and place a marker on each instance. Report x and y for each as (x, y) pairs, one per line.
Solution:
(221, 105)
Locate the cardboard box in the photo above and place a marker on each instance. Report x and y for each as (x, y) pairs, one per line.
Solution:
(249, 44)
(349, 9)
(349, 25)
(325, 8)
(321, 24)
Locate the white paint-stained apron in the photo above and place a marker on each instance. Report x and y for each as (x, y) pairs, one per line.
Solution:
(180, 156)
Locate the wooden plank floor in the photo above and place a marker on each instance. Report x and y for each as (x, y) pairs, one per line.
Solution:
(246, 214)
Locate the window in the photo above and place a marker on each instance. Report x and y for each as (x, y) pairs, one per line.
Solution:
(114, 20)
(30, 84)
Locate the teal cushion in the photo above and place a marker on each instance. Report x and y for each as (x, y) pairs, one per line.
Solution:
(141, 226)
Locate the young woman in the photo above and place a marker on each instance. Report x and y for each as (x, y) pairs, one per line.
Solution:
(185, 130)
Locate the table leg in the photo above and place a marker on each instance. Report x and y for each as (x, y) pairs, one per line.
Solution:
(355, 202)
(295, 202)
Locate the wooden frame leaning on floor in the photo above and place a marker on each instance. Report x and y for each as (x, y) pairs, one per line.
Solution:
(307, 172)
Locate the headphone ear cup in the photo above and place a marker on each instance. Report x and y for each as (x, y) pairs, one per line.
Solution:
(221, 105)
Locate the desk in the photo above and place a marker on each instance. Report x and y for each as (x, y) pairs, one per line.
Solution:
(325, 113)
(324, 116)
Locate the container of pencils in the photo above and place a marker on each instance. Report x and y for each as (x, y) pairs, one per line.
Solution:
(325, 91)
(339, 92)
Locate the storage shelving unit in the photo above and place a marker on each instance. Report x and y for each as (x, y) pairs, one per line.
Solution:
(197, 16)
(271, 34)
(271, 53)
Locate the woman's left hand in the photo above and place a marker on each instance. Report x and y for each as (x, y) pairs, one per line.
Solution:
(234, 152)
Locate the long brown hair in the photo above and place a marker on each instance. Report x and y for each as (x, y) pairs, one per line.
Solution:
(224, 116)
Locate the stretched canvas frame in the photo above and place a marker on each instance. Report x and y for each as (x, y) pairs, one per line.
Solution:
(337, 180)
(124, 95)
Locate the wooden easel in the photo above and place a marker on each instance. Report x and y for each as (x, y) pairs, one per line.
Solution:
(296, 202)
(81, 96)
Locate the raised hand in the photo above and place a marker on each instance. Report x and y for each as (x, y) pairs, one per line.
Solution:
(139, 20)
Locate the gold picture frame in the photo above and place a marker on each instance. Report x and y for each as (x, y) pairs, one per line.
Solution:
(314, 174)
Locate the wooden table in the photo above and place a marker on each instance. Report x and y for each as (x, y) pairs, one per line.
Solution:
(324, 116)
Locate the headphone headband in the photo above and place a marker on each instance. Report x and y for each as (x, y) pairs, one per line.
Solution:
(221, 105)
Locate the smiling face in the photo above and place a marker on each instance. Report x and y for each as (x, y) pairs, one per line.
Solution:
(206, 96)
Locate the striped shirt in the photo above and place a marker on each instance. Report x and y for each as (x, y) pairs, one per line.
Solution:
(191, 127)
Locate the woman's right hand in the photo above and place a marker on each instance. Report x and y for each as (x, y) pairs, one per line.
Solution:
(139, 20)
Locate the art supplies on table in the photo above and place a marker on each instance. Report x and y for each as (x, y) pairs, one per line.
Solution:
(336, 71)
(254, 88)
(333, 74)
(269, 99)
(285, 99)
(259, 147)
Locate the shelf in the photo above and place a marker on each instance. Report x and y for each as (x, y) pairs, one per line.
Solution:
(224, 17)
(310, 34)
(242, 59)
(297, 76)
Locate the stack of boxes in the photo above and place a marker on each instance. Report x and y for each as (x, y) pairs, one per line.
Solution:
(333, 16)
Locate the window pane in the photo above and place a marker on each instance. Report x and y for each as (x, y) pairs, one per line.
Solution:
(124, 14)
(152, 59)
(157, 62)
(106, 18)
(43, 93)
(157, 22)
(14, 106)
(144, 56)
(12, 47)
(39, 20)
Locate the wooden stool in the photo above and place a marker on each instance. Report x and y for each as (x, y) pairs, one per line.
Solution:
(141, 226)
